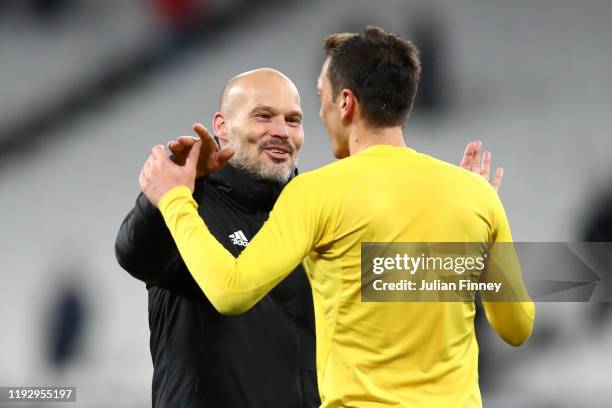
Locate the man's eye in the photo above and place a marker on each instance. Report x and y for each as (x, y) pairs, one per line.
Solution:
(262, 116)
(294, 121)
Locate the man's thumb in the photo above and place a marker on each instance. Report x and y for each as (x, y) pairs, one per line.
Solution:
(194, 154)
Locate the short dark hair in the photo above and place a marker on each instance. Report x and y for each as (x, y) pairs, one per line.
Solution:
(381, 69)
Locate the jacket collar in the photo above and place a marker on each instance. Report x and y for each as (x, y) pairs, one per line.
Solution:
(253, 194)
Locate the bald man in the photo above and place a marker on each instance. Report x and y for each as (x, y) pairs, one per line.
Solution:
(266, 357)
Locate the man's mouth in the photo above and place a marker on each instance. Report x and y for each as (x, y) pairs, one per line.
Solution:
(278, 152)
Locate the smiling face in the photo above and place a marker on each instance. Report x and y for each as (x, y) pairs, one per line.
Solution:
(261, 119)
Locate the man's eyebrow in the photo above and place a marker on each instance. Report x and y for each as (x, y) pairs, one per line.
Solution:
(296, 113)
(273, 111)
(264, 108)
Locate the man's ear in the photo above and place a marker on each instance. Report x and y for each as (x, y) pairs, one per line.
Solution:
(220, 127)
(347, 104)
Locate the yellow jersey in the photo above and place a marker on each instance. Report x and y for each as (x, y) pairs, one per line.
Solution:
(369, 354)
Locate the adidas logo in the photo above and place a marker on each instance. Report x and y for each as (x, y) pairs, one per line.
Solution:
(238, 238)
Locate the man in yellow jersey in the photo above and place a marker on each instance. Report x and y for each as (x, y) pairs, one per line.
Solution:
(369, 354)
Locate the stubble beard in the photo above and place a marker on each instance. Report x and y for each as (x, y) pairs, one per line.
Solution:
(259, 169)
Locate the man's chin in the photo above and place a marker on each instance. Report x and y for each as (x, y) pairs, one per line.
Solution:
(273, 170)
(341, 152)
(279, 173)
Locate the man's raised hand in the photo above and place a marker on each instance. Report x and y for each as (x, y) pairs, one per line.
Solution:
(160, 175)
(471, 162)
(211, 157)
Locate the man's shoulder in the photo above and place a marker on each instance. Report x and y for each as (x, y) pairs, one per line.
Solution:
(450, 173)
(334, 169)
(317, 182)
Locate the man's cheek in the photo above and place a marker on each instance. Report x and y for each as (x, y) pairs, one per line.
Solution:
(297, 138)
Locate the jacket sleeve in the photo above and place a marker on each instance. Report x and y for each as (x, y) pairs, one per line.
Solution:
(144, 246)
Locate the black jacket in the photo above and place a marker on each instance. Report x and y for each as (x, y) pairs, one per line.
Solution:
(262, 358)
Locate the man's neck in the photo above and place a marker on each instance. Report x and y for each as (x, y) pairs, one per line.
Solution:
(362, 137)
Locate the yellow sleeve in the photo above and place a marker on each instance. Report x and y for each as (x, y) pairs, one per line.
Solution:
(512, 320)
(234, 285)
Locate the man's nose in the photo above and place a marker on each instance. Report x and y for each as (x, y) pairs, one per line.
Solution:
(279, 128)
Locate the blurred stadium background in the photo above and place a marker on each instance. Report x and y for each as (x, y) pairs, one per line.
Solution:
(88, 86)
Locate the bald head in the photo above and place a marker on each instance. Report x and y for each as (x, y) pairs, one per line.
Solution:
(250, 83)
(261, 119)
